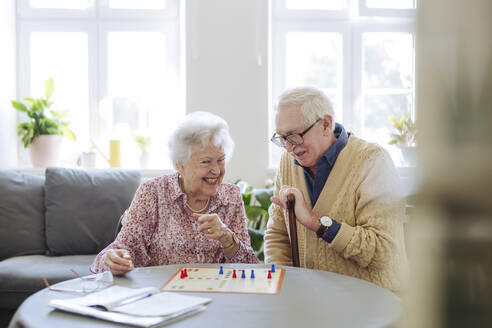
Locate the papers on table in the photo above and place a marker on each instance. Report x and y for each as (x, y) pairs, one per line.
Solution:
(162, 304)
(114, 296)
(143, 307)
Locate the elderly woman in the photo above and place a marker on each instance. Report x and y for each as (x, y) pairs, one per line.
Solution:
(189, 216)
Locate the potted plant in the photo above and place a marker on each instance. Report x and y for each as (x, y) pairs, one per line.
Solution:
(143, 142)
(405, 138)
(43, 132)
(256, 203)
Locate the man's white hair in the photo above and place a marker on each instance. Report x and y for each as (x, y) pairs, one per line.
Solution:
(314, 103)
(197, 131)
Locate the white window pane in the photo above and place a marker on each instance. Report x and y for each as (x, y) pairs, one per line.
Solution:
(377, 112)
(391, 4)
(315, 58)
(377, 123)
(64, 57)
(143, 94)
(316, 4)
(140, 4)
(61, 4)
(335, 97)
(388, 60)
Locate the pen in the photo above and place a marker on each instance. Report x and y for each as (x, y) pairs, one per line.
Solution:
(133, 299)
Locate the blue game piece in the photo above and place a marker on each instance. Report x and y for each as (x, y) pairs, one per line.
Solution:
(273, 268)
(252, 274)
(221, 271)
(243, 275)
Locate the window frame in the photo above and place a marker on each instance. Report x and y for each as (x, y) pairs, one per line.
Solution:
(352, 29)
(171, 12)
(386, 12)
(25, 11)
(96, 21)
(359, 30)
(25, 28)
(281, 12)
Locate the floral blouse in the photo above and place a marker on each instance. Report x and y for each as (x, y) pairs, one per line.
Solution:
(158, 230)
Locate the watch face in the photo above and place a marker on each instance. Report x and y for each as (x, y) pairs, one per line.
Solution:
(326, 221)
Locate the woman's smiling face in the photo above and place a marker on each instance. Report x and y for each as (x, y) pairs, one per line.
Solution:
(203, 172)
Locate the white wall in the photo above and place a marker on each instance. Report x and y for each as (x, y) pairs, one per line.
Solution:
(8, 138)
(224, 76)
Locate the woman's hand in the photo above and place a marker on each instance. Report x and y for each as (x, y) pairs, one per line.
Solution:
(213, 228)
(118, 261)
(303, 213)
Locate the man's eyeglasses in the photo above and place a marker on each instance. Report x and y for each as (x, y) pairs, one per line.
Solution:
(293, 138)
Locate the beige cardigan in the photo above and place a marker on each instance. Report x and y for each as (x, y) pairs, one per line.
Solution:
(362, 193)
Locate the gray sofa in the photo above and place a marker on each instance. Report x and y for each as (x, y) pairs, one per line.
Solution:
(53, 223)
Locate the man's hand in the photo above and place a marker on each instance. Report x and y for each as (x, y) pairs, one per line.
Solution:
(303, 213)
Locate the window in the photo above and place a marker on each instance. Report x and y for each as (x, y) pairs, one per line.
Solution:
(116, 69)
(359, 52)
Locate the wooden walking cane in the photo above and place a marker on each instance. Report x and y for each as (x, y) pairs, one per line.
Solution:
(293, 230)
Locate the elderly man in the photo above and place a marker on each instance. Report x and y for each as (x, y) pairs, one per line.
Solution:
(347, 202)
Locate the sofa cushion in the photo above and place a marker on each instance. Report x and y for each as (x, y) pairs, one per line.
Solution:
(83, 208)
(21, 276)
(21, 214)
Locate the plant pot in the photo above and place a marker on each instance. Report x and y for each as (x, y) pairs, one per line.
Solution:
(409, 155)
(45, 150)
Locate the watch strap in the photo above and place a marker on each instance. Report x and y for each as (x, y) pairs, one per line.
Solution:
(321, 231)
(331, 232)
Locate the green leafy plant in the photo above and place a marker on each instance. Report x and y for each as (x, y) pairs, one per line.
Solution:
(406, 132)
(142, 141)
(256, 203)
(41, 123)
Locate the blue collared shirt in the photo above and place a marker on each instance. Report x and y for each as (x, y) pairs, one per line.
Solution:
(325, 165)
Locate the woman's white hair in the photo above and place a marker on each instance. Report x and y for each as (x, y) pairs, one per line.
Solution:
(195, 133)
(314, 103)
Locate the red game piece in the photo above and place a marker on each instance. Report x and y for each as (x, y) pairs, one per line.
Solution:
(269, 274)
(234, 274)
(181, 274)
(185, 273)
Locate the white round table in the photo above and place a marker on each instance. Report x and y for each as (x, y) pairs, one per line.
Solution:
(307, 298)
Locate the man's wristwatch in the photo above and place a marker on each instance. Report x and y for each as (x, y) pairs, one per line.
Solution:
(326, 223)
